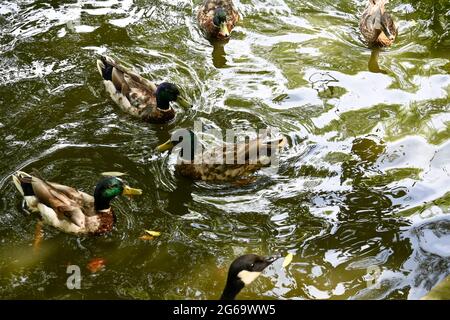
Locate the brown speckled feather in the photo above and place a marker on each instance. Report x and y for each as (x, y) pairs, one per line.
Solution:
(205, 16)
(213, 166)
(372, 36)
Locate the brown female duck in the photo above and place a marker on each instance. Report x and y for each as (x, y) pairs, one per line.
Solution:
(224, 163)
(377, 25)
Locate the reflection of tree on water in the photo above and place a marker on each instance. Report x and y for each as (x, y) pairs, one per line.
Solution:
(322, 82)
(373, 61)
(365, 152)
(180, 198)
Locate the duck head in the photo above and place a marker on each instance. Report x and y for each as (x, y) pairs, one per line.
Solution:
(108, 188)
(188, 148)
(220, 21)
(243, 271)
(167, 92)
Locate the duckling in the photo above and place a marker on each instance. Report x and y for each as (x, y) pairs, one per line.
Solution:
(243, 271)
(377, 25)
(70, 210)
(138, 96)
(223, 163)
(217, 18)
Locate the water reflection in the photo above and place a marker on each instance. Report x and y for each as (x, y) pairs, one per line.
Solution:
(370, 149)
(373, 61)
(218, 53)
(365, 152)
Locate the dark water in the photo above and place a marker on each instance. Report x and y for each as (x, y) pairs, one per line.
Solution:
(363, 188)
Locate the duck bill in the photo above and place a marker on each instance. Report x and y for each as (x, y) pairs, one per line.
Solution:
(271, 259)
(165, 146)
(128, 191)
(224, 32)
(183, 102)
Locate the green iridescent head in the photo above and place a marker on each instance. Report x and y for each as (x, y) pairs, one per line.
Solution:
(110, 187)
(220, 21)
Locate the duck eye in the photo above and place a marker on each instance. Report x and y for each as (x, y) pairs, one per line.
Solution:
(252, 265)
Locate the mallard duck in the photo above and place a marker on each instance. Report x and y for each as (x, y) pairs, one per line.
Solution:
(243, 271)
(137, 95)
(225, 163)
(217, 18)
(376, 24)
(68, 209)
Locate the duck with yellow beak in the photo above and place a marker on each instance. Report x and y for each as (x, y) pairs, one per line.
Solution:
(221, 163)
(217, 18)
(71, 210)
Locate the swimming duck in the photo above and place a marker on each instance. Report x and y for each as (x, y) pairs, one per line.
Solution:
(137, 95)
(376, 25)
(68, 209)
(243, 271)
(217, 18)
(223, 163)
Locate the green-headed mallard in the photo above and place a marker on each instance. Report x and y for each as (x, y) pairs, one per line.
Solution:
(376, 24)
(224, 163)
(217, 18)
(243, 271)
(68, 209)
(137, 95)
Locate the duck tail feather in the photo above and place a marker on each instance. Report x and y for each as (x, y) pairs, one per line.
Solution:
(105, 68)
(22, 181)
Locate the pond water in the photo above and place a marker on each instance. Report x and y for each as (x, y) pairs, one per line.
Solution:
(362, 191)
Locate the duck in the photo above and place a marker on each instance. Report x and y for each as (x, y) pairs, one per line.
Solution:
(243, 271)
(217, 18)
(376, 25)
(138, 96)
(68, 209)
(223, 163)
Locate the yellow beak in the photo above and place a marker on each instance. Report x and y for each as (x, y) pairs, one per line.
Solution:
(165, 146)
(128, 191)
(183, 102)
(224, 32)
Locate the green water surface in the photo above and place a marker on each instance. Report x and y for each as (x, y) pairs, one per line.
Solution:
(362, 189)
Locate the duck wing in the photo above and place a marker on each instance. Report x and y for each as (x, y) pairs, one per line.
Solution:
(139, 91)
(68, 203)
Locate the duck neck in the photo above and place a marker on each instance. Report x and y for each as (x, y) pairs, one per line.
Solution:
(162, 104)
(101, 203)
(232, 288)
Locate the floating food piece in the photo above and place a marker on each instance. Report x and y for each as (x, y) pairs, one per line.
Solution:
(153, 233)
(96, 264)
(287, 260)
(113, 174)
(146, 237)
(150, 235)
